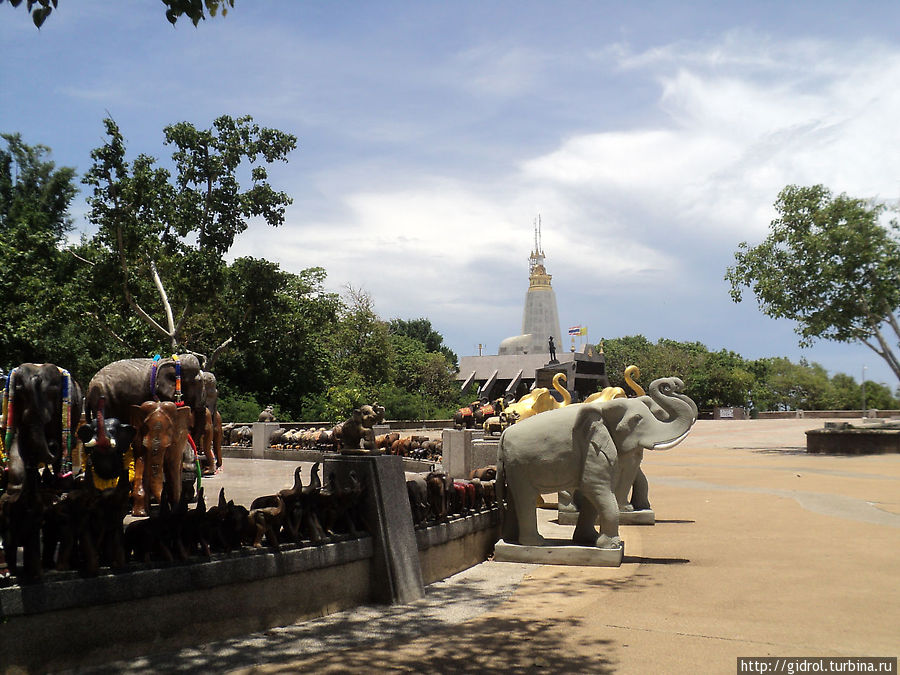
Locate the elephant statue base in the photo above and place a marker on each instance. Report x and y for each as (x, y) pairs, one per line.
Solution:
(560, 552)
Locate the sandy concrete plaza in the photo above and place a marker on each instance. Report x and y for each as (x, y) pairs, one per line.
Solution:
(759, 550)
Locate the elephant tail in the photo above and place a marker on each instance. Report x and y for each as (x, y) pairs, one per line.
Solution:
(500, 483)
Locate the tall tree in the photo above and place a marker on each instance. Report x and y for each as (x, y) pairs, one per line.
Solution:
(829, 264)
(162, 237)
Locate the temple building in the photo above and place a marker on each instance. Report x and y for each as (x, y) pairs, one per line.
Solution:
(525, 361)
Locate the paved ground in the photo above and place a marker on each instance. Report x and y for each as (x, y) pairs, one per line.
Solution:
(759, 550)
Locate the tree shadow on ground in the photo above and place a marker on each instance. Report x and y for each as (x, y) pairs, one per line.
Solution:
(485, 645)
(394, 638)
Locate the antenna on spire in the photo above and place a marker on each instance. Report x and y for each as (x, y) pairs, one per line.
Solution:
(537, 236)
(537, 255)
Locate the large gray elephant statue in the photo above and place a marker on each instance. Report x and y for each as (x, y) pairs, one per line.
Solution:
(592, 449)
(131, 382)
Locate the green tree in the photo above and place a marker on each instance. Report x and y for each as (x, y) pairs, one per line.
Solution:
(161, 236)
(195, 10)
(421, 329)
(35, 197)
(829, 264)
(363, 343)
(879, 396)
(282, 326)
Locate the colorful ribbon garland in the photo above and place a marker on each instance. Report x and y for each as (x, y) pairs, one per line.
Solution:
(153, 368)
(177, 378)
(6, 412)
(7, 419)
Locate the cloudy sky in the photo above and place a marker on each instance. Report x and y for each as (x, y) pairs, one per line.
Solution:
(650, 137)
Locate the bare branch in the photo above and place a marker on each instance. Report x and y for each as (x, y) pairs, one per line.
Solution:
(885, 352)
(216, 352)
(181, 320)
(146, 317)
(893, 321)
(170, 320)
(80, 258)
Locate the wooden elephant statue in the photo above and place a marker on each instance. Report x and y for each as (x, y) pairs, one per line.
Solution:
(41, 407)
(162, 430)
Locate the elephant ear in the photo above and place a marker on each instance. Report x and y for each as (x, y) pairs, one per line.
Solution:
(183, 418)
(139, 413)
(590, 432)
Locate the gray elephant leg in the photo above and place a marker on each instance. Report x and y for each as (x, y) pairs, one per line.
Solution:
(629, 466)
(603, 502)
(510, 531)
(585, 533)
(640, 492)
(524, 499)
(597, 491)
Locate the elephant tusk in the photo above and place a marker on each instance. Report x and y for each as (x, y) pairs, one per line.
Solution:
(668, 445)
(91, 443)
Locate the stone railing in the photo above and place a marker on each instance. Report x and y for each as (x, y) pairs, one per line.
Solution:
(68, 621)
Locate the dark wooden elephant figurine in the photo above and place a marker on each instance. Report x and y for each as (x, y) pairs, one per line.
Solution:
(105, 441)
(41, 407)
(162, 429)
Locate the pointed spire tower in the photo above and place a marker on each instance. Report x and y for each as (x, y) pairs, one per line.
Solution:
(540, 318)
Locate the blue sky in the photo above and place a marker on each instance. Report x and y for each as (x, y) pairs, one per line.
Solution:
(650, 137)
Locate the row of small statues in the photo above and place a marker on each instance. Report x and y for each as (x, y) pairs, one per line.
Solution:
(435, 497)
(81, 528)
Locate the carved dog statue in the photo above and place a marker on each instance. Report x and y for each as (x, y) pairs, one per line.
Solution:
(358, 428)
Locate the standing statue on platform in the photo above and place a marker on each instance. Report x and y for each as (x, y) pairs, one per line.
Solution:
(267, 415)
(358, 429)
(592, 449)
(552, 350)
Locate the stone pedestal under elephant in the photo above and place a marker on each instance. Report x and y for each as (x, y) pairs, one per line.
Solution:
(594, 451)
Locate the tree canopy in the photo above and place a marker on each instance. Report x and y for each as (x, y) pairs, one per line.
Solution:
(35, 197)
(831, 265)
(725, 378)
